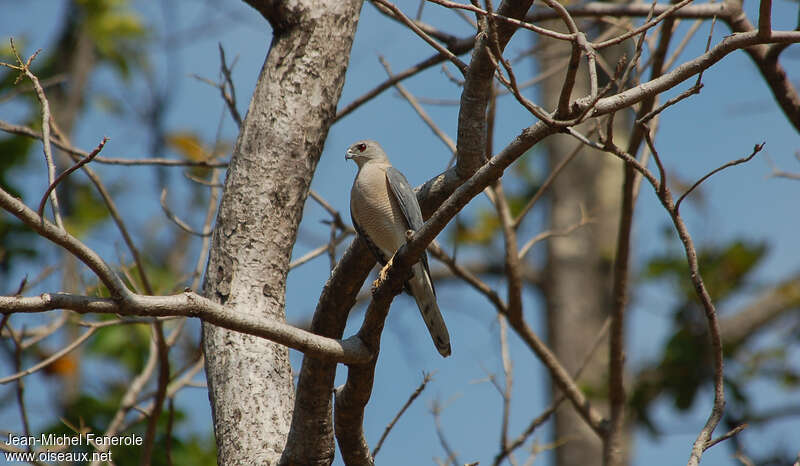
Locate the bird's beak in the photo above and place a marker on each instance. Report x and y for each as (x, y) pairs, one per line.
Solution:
(348, 155)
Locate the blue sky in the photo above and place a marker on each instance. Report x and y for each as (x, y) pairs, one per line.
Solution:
(733, 112)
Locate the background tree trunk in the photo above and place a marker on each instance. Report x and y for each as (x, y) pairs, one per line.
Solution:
(579, 265)
(281, 139)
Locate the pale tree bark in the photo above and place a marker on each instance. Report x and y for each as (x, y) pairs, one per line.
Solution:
(578, 276)
(281, 139)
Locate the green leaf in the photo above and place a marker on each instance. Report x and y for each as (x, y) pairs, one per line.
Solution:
(88, 210)
(481, 232)
(127, 344)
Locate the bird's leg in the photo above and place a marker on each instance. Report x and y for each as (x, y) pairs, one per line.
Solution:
(382, 275)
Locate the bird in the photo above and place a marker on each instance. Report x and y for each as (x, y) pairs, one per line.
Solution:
(383, 208)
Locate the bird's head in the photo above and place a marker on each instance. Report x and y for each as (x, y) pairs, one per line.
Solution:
(365, 151)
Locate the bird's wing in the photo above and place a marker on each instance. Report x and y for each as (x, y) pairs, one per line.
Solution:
(407, 200)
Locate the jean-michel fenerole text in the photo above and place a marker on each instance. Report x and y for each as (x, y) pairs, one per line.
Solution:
(63, 440)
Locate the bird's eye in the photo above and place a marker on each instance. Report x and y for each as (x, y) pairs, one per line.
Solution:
(361, 147)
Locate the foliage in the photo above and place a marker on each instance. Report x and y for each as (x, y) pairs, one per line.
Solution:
(685, 364)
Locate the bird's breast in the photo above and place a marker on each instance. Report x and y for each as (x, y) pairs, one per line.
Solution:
(376, 211)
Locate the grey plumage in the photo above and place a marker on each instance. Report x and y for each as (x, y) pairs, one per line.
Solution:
(383, 207)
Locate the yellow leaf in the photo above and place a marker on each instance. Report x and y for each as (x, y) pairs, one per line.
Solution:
(188, 145)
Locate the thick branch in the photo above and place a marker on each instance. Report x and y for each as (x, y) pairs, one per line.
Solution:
(688, 69)
(189, 304)
(477, 89)
(60, 237)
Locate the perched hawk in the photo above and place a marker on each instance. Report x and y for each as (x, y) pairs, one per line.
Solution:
(383, 207)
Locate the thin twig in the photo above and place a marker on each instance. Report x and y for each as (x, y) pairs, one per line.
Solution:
(554, 405)
(683, 43)
(411, 25)
(69, 171)
(695, 89)
(318, 251)
(66, 147)
(756, 149)
(708, 45)
(427, 377)
(201, 181)
(513, 264)
(158, 404)
(585, 220)
(643, 27)
(177, 221)
(436, 411)
(515, 22)
(546, 184)
(508, 372)
(463, 46)
(125, 302)
(420, 111)
(439, 254)
(24, 68)
(168, 433)
(229, 98)
(128, 400)
(53, 357)
(725, 436)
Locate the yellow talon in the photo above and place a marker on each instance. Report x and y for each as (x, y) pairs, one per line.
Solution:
(382, 275)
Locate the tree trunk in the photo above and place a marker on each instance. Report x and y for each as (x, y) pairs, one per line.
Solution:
(281, 139)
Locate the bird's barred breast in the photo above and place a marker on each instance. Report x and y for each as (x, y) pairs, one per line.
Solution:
(376, 211)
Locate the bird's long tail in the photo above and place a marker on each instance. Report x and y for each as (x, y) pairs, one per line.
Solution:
(422, 291)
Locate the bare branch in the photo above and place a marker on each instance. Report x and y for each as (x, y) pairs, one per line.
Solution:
(695, 89)
(756, 149)
(545, 185)
(513, 21)
(726, 436)
(129, 398)
(161, 389)
(420, 111)
(65, 240)
(69, 171)
(685, 41)
(688, 69)
(669, 11)
(585, 220)
(316, 252)
(478, 87)
(411, 25)
(228, 97)
(189, 304)
(512, 259)
(427, 377)
(24, 68)
(49, 360)
(438, 253)
(66, 147)
(554, 405)
(776, 172)
(665, 196)
(350, 400)
(436, 411)
(462, 46)
(636, 9)
(508, 372)
(177, 221)
(765, 18)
